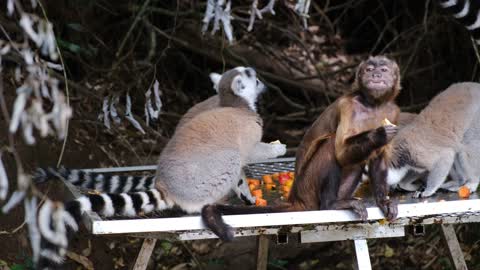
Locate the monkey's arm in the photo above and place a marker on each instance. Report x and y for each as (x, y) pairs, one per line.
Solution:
(352, 149)
(263, 151)
(356, 137)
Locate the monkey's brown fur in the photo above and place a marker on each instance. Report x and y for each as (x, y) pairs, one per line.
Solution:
(333, 151)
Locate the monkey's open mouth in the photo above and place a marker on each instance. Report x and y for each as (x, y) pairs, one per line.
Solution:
(377, 82)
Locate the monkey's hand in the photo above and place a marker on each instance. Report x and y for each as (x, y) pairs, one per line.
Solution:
(359, 208)
(389, 208)
(355, 205)
(384, 134)
(390, 131)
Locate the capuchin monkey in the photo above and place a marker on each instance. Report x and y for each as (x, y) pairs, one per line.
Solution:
(333, 152)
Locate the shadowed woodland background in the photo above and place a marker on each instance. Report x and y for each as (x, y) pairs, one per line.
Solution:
(119, 47)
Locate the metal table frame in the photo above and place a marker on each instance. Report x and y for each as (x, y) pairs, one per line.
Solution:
(311, 226)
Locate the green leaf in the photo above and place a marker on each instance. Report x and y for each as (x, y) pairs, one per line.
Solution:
(69, 46)
(166, 246)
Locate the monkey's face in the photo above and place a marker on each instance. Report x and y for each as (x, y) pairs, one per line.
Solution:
(378, 77)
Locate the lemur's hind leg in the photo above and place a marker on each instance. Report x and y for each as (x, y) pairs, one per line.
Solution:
(452, 186)
(467, 173)
(242, 190)
(438, 174)
(408, 183)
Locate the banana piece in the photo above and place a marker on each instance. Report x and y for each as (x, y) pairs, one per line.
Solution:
(386, 122)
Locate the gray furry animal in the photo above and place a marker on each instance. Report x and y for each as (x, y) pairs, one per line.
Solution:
(444, 134)
(111, 183)
(201, 163)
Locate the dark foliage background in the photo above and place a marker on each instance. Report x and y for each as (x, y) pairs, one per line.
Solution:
(119, 47)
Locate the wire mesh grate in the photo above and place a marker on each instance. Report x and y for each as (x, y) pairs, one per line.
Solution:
(258, 169)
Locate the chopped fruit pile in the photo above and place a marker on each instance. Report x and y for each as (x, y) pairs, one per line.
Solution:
(463, 192)
(271, 183)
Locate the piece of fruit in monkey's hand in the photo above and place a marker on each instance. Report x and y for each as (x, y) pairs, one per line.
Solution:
(386, 122)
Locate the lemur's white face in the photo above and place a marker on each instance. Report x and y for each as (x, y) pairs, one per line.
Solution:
(245, 85)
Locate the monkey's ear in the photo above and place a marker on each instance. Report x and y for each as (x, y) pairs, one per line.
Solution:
(215, 77)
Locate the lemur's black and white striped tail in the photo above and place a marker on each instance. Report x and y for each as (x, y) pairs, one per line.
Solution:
(121, 204)
(466, 12)
(99, 181)
(105, 204)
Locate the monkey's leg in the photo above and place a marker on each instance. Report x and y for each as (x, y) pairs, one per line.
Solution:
(263, 151)
(242, 190)
(350, 179)
(378, 179)
(438, 174)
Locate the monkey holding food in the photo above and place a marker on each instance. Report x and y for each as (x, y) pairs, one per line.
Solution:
(333, 152)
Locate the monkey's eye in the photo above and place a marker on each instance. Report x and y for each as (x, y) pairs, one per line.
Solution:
(369, 69)
(384, 69)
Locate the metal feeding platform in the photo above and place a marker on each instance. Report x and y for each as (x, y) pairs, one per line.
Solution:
(444, 209)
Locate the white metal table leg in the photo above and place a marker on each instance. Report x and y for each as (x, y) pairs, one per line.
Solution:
(362, 256)
(455, 252)
(144, 254)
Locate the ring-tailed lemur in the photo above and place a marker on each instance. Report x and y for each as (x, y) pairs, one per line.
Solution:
(465, 12)
(201, 163)
(446, 133)
(111, 183)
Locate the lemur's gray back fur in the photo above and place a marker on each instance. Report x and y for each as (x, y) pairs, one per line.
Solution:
(433, 140)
